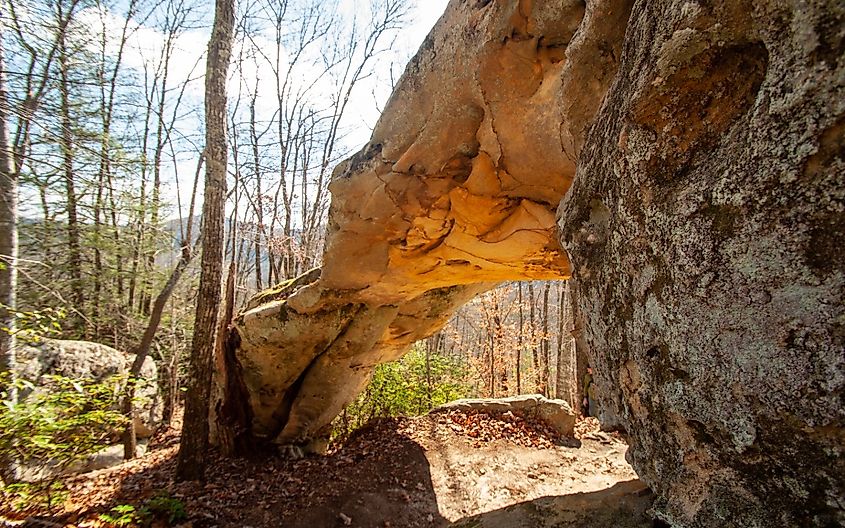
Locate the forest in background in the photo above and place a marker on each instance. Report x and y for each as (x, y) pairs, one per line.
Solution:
(106, 131)
(103, 108)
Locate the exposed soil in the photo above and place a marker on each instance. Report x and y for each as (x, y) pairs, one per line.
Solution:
(449, 469)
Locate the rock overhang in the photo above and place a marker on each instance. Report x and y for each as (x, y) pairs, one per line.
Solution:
(681, 119)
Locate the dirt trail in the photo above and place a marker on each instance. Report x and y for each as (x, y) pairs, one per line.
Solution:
(501, 483)
(428, 472)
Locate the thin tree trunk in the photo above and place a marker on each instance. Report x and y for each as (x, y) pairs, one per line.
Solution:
(143, 350)
(8, 233)
(142, 208)
(129, 437)
(107, 99)
(428, 347)
(563, 379)
(259, 198)
(193, 448)
(492, 365)
(545, 344)
(498, 337)
(534, 348)
(170, 373)
(519, 341)
(66, 140)
(581, 349)
(155, 200)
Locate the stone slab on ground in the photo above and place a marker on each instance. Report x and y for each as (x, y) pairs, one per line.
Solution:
(556, 413)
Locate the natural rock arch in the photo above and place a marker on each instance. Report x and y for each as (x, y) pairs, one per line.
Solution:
(697, 149)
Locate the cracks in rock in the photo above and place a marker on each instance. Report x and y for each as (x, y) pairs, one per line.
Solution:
(514, 232)
(281, 414)
(489, 107)
(521, 21)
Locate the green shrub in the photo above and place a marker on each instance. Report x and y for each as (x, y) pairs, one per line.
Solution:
(159, 508)
(32, 325)
(167, 508)
(121, 515)
(56, 425)
(409, 387)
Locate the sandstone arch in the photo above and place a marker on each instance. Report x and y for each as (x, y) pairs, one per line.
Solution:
(697, 150)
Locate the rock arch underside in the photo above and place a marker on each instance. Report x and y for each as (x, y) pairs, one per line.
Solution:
(681, 161)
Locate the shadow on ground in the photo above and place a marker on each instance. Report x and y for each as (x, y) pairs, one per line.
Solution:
(624, 505)
(380, 479)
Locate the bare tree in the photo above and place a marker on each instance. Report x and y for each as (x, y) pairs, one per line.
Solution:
(8, 230)
(143, 349)
(13, 154)
(107, 79)
(193, 447)
(67, 145)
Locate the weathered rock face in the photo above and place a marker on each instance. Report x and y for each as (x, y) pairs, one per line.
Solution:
(449, 197)
(92, 361)
(703, 143)
(706, 226)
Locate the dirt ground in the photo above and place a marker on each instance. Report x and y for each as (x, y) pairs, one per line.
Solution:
(470, 471)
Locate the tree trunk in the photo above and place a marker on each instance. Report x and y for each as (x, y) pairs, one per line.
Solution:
(107, 100)
(546, 356)
(8, 230)
(581, 349)
(535, 354)
(66, 140)
(259, 198)
(429, 345)
(129, 438)
(498, 338)
(563, 375)
(193, 447)
(519, 342)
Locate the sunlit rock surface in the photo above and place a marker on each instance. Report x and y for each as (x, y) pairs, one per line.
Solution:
(85, 360)
(456, 191)
(703, 144)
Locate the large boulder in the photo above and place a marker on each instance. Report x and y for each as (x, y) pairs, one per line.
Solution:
(92, 361)
(706, 227)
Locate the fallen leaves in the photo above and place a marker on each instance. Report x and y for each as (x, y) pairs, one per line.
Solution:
(488, 427)
(586, 426)
(379, 477)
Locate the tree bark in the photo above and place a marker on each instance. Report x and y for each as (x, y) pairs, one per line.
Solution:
(193, 447)
(66, 140)
(8, 230)
(545, 343)
(519, 342)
